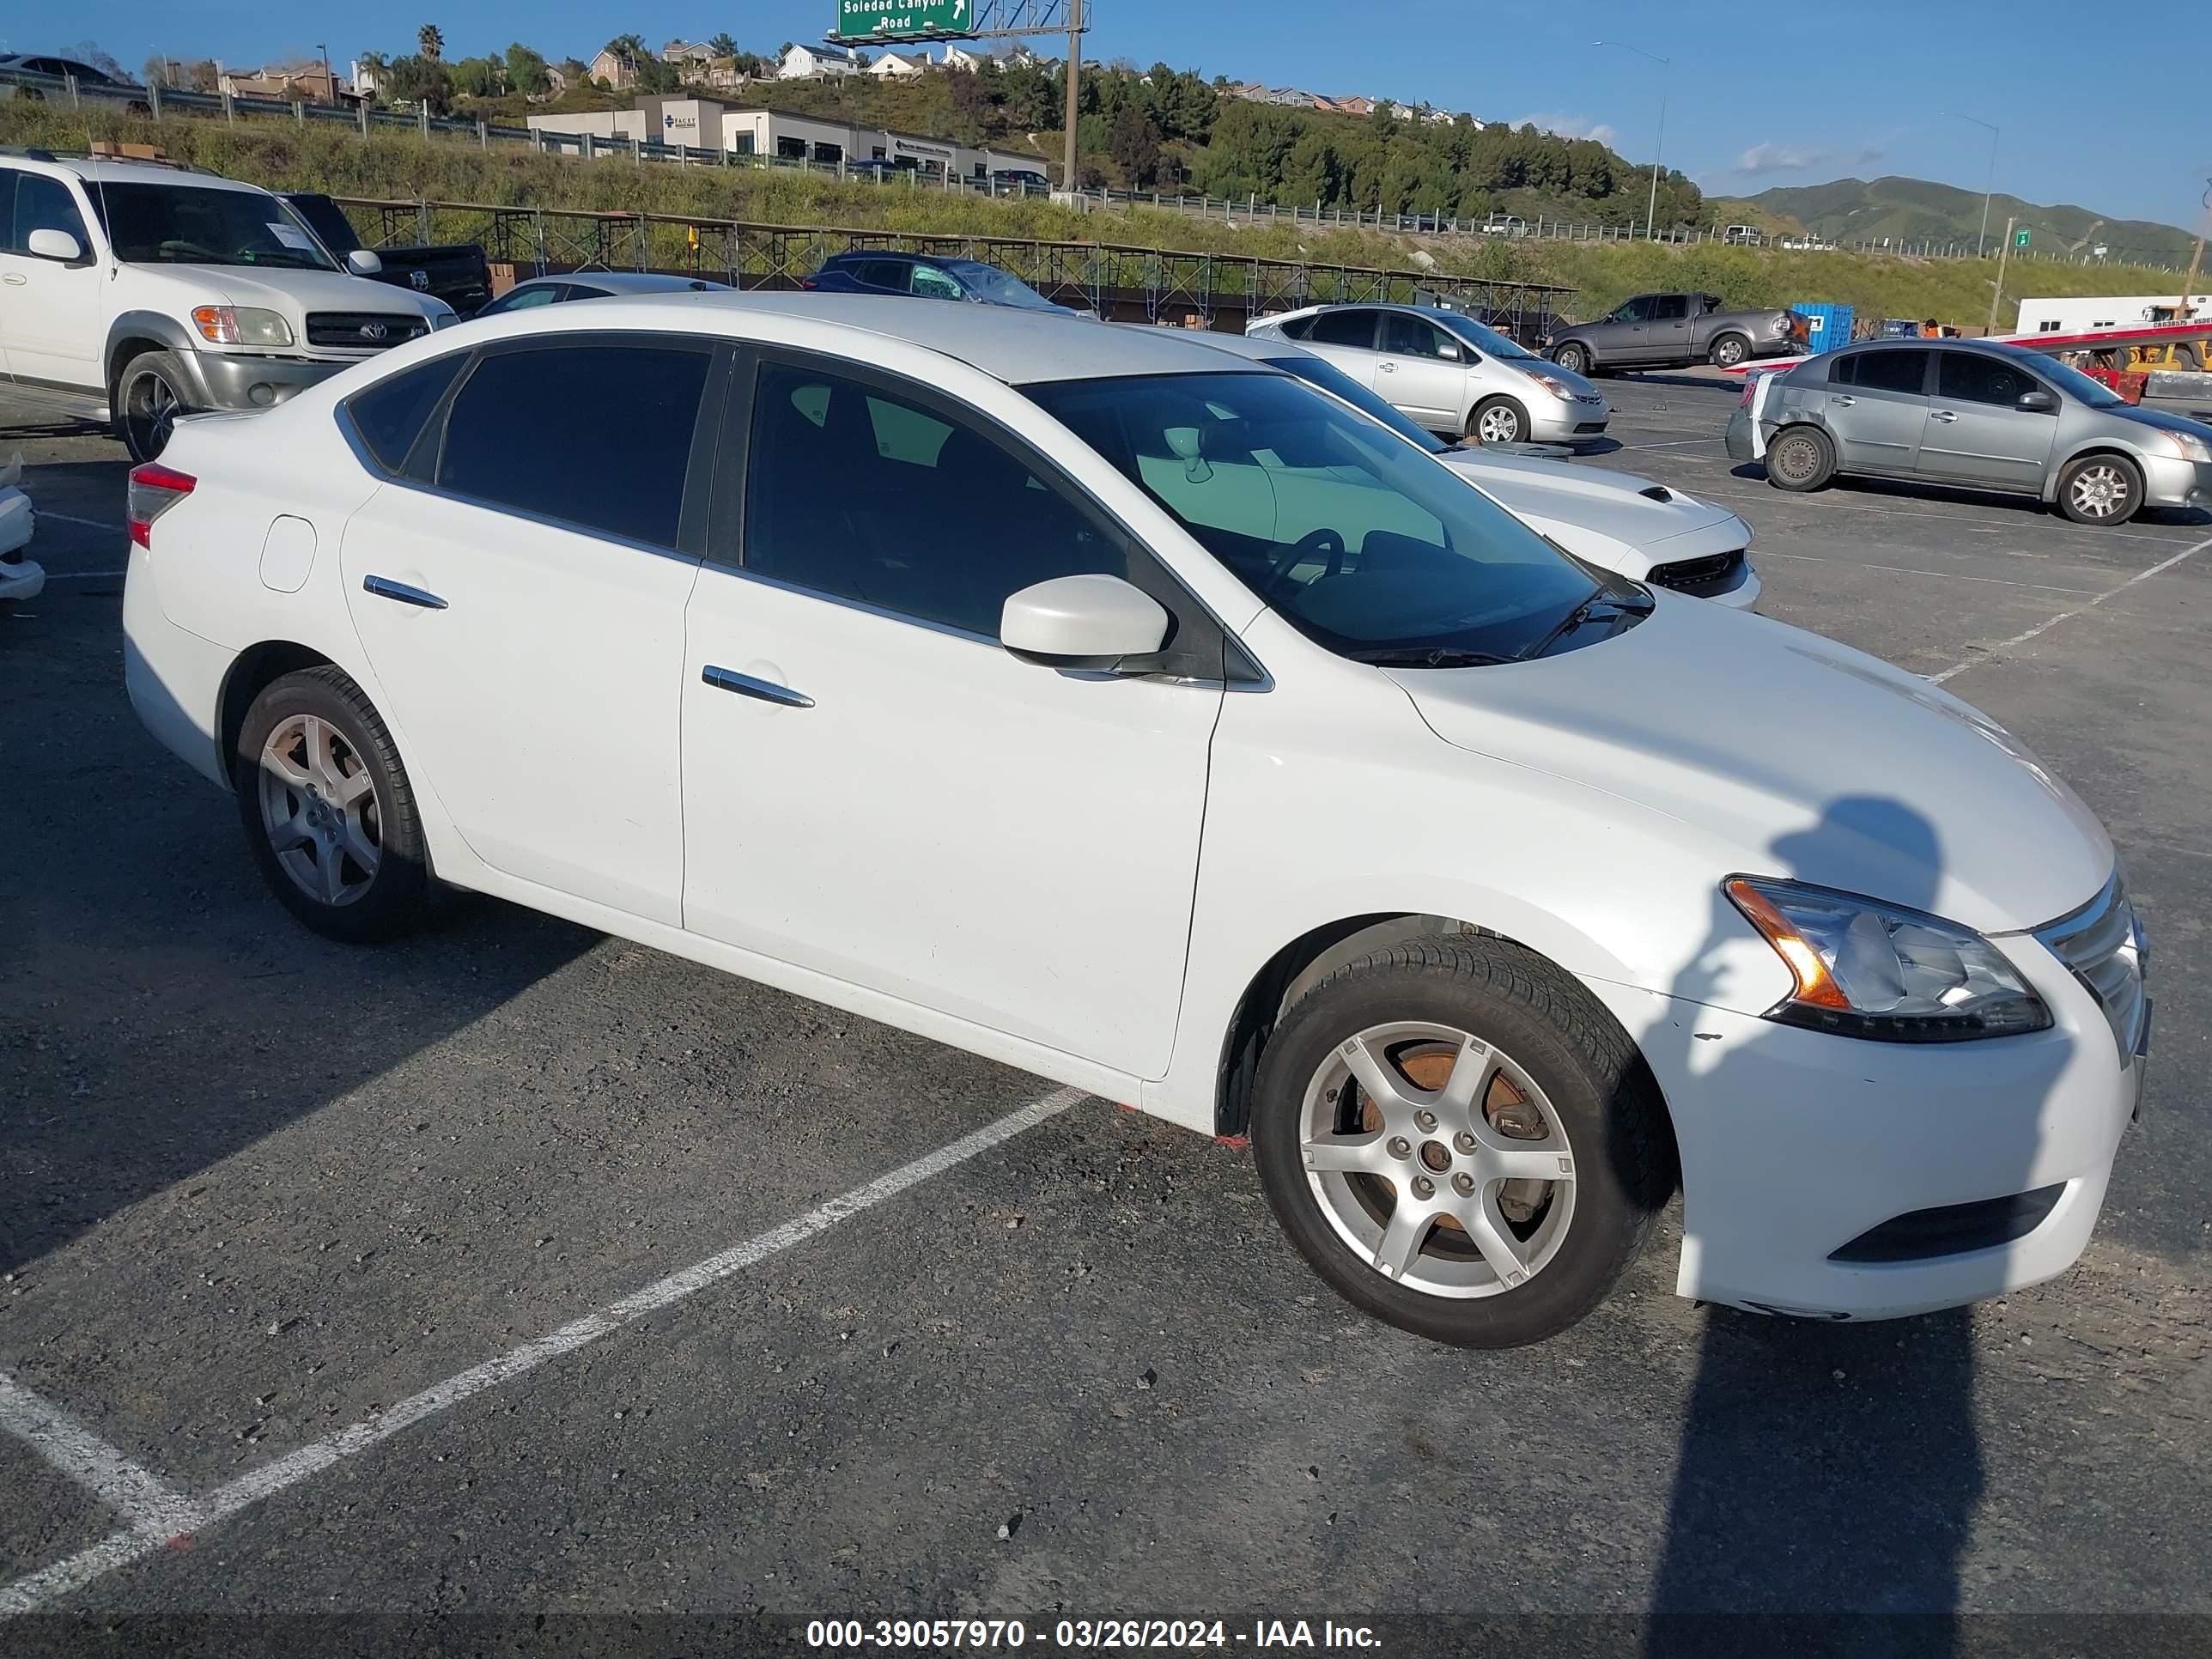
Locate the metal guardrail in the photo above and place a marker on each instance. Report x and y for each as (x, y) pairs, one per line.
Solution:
(158, 101)
(1154, 284)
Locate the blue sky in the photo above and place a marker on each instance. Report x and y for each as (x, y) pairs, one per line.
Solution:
(1872, 77)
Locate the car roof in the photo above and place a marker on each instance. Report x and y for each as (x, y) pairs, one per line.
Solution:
(631, 282)
(103, 170)
(1260, 349)
(1018, 347)
(1366, 305)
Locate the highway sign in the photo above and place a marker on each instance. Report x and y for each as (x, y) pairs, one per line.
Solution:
(903, 20)
(2019, 237)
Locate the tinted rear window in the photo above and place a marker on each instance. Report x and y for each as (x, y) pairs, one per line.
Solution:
(1892, 371)
(390, 415)
(1344, 328)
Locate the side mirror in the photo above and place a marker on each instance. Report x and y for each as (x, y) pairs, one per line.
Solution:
(1089, 622)
(363, 262)
(2037, 402)
(56, 244)
(1449, 351)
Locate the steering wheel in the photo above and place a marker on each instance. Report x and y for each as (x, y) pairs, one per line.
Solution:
(1314, 541)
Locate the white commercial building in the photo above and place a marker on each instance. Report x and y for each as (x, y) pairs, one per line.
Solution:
(703, 123)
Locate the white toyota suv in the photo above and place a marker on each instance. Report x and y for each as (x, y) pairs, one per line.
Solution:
(136, 291)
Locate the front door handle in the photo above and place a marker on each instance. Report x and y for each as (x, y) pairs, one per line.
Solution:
(726, 679)
(384, 588)
(1840, 401)
(13, 279)
(1388, 368)
(1945, 415)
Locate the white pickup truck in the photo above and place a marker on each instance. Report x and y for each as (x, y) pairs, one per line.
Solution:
(135, 291)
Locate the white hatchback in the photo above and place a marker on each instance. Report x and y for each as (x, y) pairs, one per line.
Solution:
(1149, 719)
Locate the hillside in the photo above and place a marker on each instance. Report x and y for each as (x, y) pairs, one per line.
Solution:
(1917, 209)
(398, 166)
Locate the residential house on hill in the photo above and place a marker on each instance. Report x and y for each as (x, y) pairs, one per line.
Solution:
(812, 62)
(899, 65)
(617, 72)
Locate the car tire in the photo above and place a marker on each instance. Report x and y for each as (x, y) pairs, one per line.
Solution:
(1575, 357)
(344, 856)
(1549, 1058)
(1729, 350)
(1801, 458)
(150, 394)
(2103, 490)
(1497, 421)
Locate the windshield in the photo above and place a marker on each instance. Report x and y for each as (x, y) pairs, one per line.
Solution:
(1319, 371)
(1367, 548)
(2077, 384)
(193, 225)
(998, 286)
(1481, 339)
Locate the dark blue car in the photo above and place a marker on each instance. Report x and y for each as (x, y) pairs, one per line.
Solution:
(878, 270)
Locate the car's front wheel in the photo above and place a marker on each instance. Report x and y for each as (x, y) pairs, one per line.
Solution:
(328, 809)
(1574, 357)
(149, 395)
(1460, 1140)
(1497, 421)
(2100, 489)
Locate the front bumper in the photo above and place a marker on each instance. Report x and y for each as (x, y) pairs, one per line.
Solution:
(1551, 421)
(223, 379)
(2172, 482)
(1794, 1144)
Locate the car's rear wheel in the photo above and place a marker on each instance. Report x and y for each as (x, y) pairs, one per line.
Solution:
(2100, 489)
(1460, 1140)
(1800, 458)
(328, 809)
(1574, 357)
(1497, 421)
(1730, 350)
(149, 395)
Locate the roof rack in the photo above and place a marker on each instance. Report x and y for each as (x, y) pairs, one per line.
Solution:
(28, 153)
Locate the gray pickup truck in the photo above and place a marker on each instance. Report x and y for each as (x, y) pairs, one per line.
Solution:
(1666, 331)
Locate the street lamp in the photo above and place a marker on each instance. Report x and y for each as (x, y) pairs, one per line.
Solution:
(1651, 212)
(1990, 184)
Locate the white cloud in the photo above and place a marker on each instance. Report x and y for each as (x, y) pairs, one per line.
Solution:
(1791, 158)
(1570, 126)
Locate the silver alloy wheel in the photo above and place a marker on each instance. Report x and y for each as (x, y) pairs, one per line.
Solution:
(1570, 359)
(1498, 424)
(1401, 1139)
(2100, 490)
(318, 807)
(150, 408)
(1728, 353)
(1796, 458)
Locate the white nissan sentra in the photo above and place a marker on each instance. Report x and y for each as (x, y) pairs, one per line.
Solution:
(1144, 717)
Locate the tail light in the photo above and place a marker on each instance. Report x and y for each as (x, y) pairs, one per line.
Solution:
(155, 489)
(807, 281)
(1750, 386)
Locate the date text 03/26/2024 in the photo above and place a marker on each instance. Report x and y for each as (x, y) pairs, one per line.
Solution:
(1089, 1634)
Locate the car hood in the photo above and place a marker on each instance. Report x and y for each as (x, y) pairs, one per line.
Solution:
(297, 292)
(1794, 756)
(1575, 383)
(2159, 418)
(1616, 519)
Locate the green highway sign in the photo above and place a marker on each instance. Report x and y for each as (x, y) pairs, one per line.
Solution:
(2020, 239)
(903, 20)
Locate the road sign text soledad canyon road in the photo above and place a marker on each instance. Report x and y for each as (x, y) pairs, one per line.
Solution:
(899, 19)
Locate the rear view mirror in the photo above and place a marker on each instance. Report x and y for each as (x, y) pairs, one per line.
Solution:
(2037, 402)
(363, 262)
(1089, 622)
(56, 244)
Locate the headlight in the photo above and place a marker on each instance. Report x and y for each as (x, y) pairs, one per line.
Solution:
(241, 326)
(1557, 387)
(2192, 447)
(1867, 969)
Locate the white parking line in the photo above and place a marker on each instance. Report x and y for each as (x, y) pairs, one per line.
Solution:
(36, 1590)
(89, 524)
(2045, 627)
(146, 1502)
(1766, 553)
(1674, 443)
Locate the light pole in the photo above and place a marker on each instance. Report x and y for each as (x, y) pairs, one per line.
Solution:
(1991, 184)
(1651, 212)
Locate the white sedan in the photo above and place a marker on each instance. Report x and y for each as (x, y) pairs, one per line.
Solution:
(1647, 532)
(1150, 721)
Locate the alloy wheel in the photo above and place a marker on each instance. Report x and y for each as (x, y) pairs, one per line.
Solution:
(1497, 425)
(1728, 353)
(1437, 1159)
(318, 809)
(2101, 490)
(150, 408)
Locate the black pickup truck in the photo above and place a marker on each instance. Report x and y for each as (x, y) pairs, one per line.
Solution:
(457, 273)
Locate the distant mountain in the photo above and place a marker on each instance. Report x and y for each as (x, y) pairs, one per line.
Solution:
(1916, 209)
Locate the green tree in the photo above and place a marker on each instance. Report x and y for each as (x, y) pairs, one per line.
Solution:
(525, 70)
(430, 42)
(419, 80)
(723, 45)
(1134, 144)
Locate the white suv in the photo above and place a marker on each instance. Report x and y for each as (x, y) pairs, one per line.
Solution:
(137, 291)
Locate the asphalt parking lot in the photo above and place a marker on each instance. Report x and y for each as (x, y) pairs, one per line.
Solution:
(521, 1271)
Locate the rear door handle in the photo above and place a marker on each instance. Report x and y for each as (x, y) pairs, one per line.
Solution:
(1388, 369)
(384, 588)
(1840, 401)
(1945, 415)
(726, 679)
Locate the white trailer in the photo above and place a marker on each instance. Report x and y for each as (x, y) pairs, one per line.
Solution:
(2113, 310)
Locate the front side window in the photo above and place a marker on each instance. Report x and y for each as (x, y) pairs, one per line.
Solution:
(41, 203)
(1894, 371)
(1366, 546)
(1630, 311)
(931, 283)
(1412, 337)
(191, 225)
(1486, 339)
(2079, 387)
(1001, 288)
(859, 493)
(1355, 327)
(1969, 377)
(622, 477)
